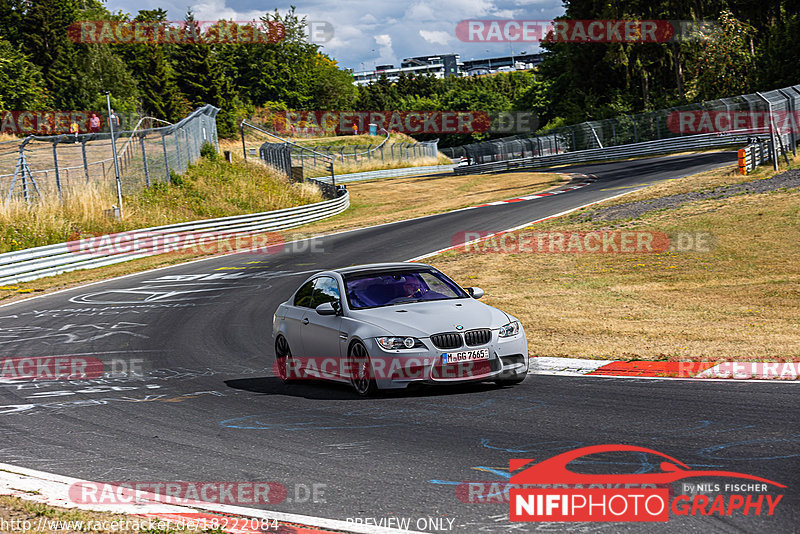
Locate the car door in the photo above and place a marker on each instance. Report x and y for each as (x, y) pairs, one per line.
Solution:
(321, 332)
(295, 313)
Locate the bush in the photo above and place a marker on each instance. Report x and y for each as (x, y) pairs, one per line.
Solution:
(209, 151)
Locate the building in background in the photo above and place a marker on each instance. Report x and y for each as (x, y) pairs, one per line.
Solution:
(445, 65)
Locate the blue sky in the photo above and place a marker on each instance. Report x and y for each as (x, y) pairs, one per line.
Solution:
(376, 32)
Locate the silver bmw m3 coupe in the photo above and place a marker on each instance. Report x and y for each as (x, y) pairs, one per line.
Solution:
(388, 325)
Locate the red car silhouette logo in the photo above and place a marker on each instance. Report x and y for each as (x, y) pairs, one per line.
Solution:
(554, 470)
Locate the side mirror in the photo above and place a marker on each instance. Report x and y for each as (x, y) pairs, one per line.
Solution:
(475, 292)
(327, 308)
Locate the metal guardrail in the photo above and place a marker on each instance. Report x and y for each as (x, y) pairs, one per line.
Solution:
(392, 173)
(49, 260)
(757, 152)
(647, 148)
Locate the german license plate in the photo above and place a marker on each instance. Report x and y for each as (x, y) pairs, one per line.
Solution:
(465, 356)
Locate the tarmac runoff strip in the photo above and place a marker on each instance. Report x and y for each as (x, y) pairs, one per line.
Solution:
(751, 371)
(53, 490)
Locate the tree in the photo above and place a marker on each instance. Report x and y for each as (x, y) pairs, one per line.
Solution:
(726, 66)
(21, 82)
(202, 80)
(150, 65)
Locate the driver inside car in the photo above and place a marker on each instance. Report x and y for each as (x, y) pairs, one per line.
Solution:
(412, 287)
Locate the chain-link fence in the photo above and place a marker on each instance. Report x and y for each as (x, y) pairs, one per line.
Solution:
(43, 167)
(759, 113)
(320, 164)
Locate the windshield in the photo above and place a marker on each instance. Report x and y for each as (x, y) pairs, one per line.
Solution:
(386, 288)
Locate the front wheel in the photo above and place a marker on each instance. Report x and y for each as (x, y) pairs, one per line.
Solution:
(283, 356)
(361, 370)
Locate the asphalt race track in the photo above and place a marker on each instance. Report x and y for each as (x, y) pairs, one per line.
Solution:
(209, 409)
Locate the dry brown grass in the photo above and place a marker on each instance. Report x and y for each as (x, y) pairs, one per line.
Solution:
(739, 302)
(46, 519)
(395, 199)
(208, 189)
(372, 203)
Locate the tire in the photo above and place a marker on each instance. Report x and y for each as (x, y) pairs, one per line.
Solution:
(282, 356)
(361, 370)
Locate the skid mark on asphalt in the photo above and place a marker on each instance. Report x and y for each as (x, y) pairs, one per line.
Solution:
(36, 408)
(70, 333)
(370, 417)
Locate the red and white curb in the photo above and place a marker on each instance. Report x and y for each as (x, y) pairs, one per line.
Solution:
(53, 490)
(782, 371)
(587, 179)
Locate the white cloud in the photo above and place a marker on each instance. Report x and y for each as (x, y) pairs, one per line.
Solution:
(218, 9)
(368, 33)
(435, 37)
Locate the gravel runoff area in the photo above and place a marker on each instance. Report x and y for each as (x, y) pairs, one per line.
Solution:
(787, 180)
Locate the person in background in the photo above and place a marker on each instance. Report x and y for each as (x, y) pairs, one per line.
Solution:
(355, 128)
(74, 129)
(113, 120)
(94, 123)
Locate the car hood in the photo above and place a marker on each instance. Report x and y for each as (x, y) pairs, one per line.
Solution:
(421, 319)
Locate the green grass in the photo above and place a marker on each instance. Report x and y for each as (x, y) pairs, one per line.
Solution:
(209, 189)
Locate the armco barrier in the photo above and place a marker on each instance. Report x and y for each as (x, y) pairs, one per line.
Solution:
(647, 148)
(392, 173)
(33, 263)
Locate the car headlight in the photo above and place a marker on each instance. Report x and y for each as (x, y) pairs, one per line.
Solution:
(511, 329)
(392, 343)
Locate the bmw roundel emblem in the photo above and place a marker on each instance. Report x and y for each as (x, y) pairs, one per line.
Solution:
(459, 327)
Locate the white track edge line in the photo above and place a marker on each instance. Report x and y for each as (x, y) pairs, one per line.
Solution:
(310, 521)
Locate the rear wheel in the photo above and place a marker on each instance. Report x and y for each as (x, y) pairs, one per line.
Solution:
(361, 370)
(283, 356)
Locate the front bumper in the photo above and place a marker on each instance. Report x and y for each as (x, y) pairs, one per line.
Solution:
(508, 359)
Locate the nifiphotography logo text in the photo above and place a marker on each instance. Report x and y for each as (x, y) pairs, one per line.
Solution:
(549, 491)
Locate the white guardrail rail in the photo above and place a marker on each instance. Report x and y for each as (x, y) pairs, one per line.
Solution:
(392, 173)
(49, 260)
(647, 148)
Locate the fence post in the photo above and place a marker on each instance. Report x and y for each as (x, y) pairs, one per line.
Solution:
(85, 162)
(144, 160)
(178, 148)
(792, 112)
(241, 133)
(166, 158)
(773, 146)
(55, 163)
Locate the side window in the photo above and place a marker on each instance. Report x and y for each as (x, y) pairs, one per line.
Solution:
(325, 290)
(303, 296)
